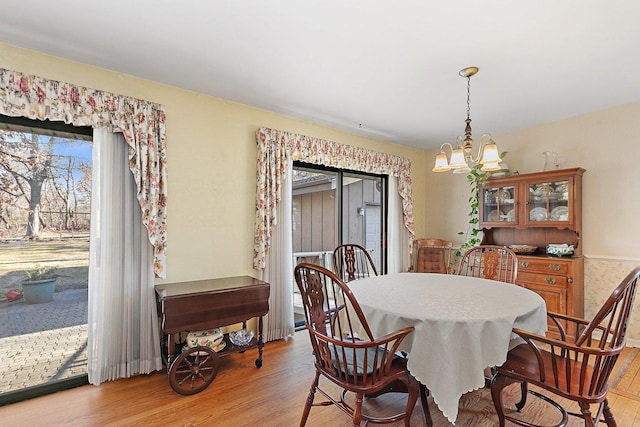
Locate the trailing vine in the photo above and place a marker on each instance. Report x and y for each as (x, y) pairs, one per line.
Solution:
(472, 238)
(476, 178)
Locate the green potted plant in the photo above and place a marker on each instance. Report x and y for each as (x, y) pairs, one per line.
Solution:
(39, 285)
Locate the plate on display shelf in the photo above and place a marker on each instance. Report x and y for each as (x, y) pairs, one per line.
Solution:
(538, 214)
(523, 249)
(561, 213)
(509, 216)
(505, 196)
(493, 216)
(562, 187)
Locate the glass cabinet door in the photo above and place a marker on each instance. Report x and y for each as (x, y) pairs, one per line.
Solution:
(548, 202)
(498, 204)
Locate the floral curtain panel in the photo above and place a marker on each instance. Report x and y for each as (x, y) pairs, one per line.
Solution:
(141, 122)
(276, 149)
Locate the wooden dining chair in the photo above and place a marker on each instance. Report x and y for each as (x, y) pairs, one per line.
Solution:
(345, 350)
(352, 261)
(575, 367)
(490, 262)
(431, 256)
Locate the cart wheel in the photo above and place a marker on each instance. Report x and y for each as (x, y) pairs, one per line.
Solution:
(258, 363)
(193, 371)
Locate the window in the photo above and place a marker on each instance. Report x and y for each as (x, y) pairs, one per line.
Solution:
(45, 207)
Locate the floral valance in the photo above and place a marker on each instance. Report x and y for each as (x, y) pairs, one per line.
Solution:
(276, 149)
(141, 122)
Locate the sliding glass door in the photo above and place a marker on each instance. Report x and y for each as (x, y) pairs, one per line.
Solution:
(45, 201)
(363, 214)
(331, 207)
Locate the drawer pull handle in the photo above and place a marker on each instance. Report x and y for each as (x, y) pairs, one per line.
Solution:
(524, 264)
(554, 267)
(550, 280)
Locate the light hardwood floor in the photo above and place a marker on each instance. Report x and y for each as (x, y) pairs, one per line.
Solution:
(274, 395)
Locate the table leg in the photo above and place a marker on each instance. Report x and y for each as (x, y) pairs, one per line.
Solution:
(260, 343)
(424, 393)
(171, 347)
(260, 338)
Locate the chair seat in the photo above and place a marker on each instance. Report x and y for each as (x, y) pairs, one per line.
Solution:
(398, 370)
(363, 354)
(522, 364)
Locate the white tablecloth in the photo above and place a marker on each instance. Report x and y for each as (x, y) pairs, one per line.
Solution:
(462, 325)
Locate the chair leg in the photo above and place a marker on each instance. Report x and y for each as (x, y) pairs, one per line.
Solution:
(497, 384)
(425, 405)
(309, 403)
(523, 396)
(413, 388)
(608, 415)
(585, 408)
(357, 410)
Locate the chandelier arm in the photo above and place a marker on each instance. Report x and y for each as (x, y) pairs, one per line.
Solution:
(484, 141)
(444, 144)
(476, 159)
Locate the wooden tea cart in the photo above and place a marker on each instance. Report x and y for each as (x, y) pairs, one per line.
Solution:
(202, 305)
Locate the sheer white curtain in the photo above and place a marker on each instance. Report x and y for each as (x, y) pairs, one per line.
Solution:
(123, 335)
(278, 271)
(398, 235)
(272, 240)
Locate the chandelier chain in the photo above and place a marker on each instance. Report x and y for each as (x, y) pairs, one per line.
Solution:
(468, 137)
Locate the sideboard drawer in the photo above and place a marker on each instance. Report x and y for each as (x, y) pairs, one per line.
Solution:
(542, 279)
(543, 265)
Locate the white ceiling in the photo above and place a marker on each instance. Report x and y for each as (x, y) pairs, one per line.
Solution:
(382, 68)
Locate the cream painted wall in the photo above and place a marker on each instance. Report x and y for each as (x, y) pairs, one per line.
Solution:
(211, 164)
(211, 158)
(605, 143)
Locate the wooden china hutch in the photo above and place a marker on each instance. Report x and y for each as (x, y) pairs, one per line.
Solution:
(538, 209)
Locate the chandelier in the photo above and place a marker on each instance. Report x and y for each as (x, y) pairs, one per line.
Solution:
(461, 156)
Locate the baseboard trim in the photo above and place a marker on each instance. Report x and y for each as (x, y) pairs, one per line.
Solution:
(633, 343)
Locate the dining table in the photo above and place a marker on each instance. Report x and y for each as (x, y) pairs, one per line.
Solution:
(462, 326)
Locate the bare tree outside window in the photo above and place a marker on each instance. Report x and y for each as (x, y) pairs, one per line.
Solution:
(43, 188)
